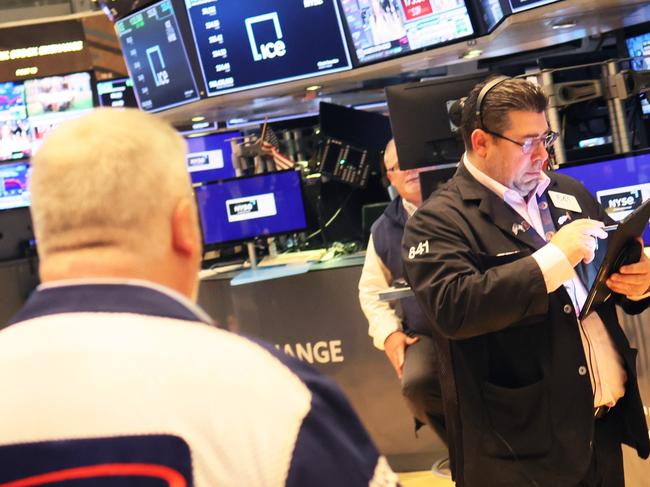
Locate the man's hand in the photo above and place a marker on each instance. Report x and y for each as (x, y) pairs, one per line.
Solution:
(632, 280)
(394, 347)
(578, 240)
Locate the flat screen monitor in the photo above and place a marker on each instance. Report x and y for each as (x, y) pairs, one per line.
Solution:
(14, 192)
(117, 93)
(381, 29)
(266, 42)
(638, 46)
(209, 157)
(491, 12)
(156, 58)
(15, 131)
(256, 206)
(419, 115)
(55, 99)
(521, 5)
(620, 182)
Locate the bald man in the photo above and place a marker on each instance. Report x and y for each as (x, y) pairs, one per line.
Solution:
(111, 373)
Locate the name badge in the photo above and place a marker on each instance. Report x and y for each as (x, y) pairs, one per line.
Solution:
(565, 201)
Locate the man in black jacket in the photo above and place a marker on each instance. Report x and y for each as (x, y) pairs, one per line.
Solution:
(501, 260)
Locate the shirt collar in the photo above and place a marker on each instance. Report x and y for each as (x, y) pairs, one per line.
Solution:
(409, 207)
(499, 189)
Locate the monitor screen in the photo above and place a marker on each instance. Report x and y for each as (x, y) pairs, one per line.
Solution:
(14, 192)
(267, 42)
(15, 131)
(492, 13)
(209, 157)
(245, 208)
(620, 183)
(380, 29)
(422, 125)
(521, 5)
(55, 99)
(639, 46)
(117, 93)
(156, 58)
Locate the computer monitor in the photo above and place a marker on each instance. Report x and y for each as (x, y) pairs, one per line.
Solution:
(15, 131)
(638, 46)
(117, 93)
(14, 192)
(491, 12)
(619, 182)
(419, 116)
(521, 5)
(156, 58)
(241, 209)
(209, 157)
(381, 29)
(56, 99)
(266, 42)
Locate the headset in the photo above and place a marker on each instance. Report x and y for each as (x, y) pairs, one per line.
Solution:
(483, 93)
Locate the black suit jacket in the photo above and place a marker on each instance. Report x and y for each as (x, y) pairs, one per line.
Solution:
(518, 397)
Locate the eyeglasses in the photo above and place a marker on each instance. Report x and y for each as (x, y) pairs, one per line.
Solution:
(529, 143)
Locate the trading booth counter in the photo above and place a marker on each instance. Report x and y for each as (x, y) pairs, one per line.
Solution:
(316, 317)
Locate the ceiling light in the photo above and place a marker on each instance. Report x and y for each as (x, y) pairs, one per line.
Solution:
(313, 88)
(198, 119)
(472, 53)
(569, 24)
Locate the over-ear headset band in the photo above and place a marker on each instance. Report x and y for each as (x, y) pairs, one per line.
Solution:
(483, 93)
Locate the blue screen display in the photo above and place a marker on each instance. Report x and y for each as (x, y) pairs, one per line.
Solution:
(260, 42)
(620, 184)
(14, 192)
(244, 208)
(209, 157)
(639, 46)
(156, 58)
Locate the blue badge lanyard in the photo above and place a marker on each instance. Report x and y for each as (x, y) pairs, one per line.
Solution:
(547, 219)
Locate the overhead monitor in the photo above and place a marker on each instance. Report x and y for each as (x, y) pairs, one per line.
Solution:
(117, 93)
(15, 131)
(639, 48)
(242, 209)
(266, 42)
(420, 118)
(156, 58)
(521, 5)
(381, 29)
(14, 192)
(55, 99)
(209, 157)
(491, 12)
(619, 182)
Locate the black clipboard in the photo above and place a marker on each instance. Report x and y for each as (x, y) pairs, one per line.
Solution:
(622, 248)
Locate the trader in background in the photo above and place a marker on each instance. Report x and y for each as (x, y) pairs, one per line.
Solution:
(501, 260)
(403, 333)
(110, 373)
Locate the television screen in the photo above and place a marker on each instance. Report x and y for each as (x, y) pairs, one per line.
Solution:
(266, 42)
(245, 208)
(521, 5)
(15, 131)
(619, 182)
(156, 58)
(55, 99)
(117, 93)
(638, 46)
(209, 157)
(14, 192)
(380, 29)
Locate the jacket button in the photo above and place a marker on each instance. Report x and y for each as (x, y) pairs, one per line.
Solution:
(568, 309)
(582, 370)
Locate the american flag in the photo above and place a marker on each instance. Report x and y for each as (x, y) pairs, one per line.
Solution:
(271, 146)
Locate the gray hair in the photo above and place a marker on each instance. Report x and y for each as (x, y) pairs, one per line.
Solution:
(110, 179)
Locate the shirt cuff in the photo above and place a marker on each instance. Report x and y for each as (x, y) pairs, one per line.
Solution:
(554, 265)
(379, 336)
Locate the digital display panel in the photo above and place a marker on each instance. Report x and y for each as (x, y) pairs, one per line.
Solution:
(15, 131)
(638, 46)
(14, 191)
(245, 208)
(384, 28)
(117, 93)
(266, 41)
(55, 99)
(492, 13)
(620, 183)
(156, 58)
(521, 5)
(209, 157)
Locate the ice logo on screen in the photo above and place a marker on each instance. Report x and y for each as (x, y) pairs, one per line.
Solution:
(620, 202)
(266, 50)
(251, 207)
